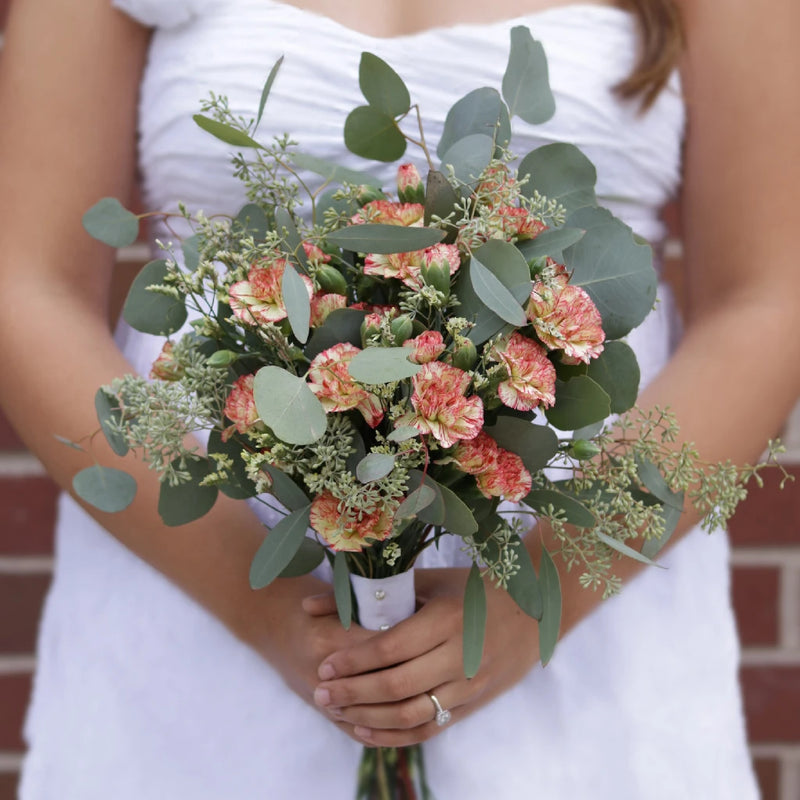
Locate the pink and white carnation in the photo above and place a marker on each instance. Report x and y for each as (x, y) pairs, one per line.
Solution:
(426, 347)
(315, 254)
(519, 223)
(323, 304)
(349, 530)
(240, 407)
(403, 266)
(386, 212)
(165, 367)
(531, 376)
(565, 318)
(259, 299)
(410, 188)
(497, 188)
(498, 472)
(330, 380)
(440, 406)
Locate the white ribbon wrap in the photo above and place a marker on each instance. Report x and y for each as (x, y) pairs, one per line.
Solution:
(383, 602)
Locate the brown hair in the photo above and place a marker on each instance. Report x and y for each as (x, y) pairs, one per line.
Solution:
(661, 45)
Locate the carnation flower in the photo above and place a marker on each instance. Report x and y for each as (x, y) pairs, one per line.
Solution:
(497, 186)
(331, 382)
(259, 298)
(323, 304)
(440, 407)
(403, 266)
(315, 254)
(165, 367)
(410, 188)
(498, 472)
(387, 213)
(565, 318)
(348, 529)
(531, 377)
(240, 407)
(428, 346)
(519, 223)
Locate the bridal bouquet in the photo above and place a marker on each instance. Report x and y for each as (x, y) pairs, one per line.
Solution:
(391, 365)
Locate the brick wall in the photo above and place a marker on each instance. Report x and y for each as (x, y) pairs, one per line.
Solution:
(766, 594)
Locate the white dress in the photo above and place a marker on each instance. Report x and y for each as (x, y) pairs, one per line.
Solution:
(142, 695)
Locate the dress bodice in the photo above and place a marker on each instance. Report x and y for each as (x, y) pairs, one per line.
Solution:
(228, 48)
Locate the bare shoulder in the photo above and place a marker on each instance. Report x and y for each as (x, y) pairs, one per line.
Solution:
(69, 79)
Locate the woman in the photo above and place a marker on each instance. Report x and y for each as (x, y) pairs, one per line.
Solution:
(160, 674)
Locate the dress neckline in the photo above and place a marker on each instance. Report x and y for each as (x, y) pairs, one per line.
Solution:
(504, 24)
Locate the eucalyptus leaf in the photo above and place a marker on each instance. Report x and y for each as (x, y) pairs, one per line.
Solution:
(441, 200)
(534, 444)
(523, 586)
(623, 548)
(341, 589)
(279, 548)
(561, 172)
(579, 402)
(288, 406)
(458, 518)
(375, 365)
(671, 515)
(526, 83)
(297, 302)
(550, 624)
(284, 225)
(574, 511)
(381, 238)
(469, 157)
(105, 488)
(109, 413)
(266, 90)
(652, 479)
(382, 87)
(373, 134)
(494, 295)
(417, 500)
(225, 133)
(402, 434)
(254, 221)
(110, 222)
(68, 443)
(307, 558)
(614, 269)
(151, 312)
(284, 489)
(616, 370)
(374, 466)
(481, 111)
(433, 512)
(190, 247)
(550, 243)
(332, 172)
(341, 325)
(188, 501)
(474, 622)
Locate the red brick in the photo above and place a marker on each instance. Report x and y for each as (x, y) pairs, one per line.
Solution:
(768, 772)
(27, 514)
(21, 598)
(15, 691)
(755, 598)
(8, 438)
(8, 785)
(769, 516)
(772, 703)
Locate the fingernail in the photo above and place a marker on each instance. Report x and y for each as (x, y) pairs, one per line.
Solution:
(362, 733)
(326, 672)
(336, 713)
(322, 697)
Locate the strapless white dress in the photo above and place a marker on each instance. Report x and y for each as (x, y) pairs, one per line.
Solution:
(140, 694)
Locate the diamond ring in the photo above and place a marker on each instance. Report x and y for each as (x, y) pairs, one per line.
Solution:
(442, 714)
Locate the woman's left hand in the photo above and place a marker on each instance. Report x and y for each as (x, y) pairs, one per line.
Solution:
(380, 688)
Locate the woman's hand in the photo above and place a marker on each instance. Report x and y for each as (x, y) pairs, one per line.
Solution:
(378, 689)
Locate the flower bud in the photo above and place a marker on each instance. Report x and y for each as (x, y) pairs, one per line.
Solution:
(465, 355)
(366, 194)
(438, 276)
(222, 358)
(402, 328)
(165, 367)
(330, 280)
(409, 184)
(370, 327)
(583, 449)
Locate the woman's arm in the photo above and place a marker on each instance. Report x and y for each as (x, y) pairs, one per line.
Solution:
(68, 89)
(731, 383)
